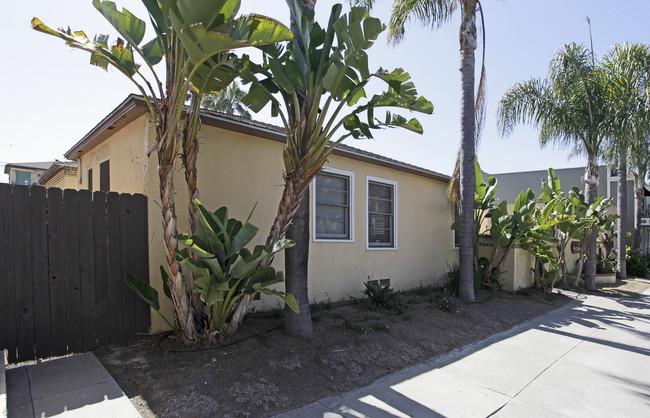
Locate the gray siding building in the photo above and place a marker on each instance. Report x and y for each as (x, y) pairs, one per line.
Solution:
(511, 184)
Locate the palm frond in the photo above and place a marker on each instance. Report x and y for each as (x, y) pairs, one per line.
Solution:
(432, 13)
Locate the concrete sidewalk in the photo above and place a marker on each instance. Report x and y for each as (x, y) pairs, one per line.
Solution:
(590, 358)
(73, 386)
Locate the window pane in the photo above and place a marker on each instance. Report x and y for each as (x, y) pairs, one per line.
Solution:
(381, 222)
(332, 206)
(23, 177)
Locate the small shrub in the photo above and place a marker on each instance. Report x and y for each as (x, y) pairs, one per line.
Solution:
(446, 302)
(382, 297)
(451, 278)
(605, 264)
(636, 264)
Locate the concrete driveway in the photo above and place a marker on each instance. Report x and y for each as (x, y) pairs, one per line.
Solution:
(590, 358)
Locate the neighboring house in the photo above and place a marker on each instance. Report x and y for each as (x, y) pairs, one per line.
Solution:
(511, 184)
(61, 174)
(373, 218)
(26, 173)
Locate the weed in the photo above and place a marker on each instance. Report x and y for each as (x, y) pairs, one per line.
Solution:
(323, 305)
(526, 291)
(348, 325)
(264, 338)
(451, 278)
(446, 302)
(424, 290)
(379, 327)
(371, 315)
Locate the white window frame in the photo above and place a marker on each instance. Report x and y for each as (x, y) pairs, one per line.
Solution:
(453, 240)
(350, 176)
(395, 214)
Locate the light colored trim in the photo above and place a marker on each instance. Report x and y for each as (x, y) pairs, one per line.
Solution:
(350, 176)
(395, 214)
(453, 240)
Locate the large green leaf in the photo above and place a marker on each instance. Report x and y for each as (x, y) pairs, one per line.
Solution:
(286, 297)
(165, 282)
(243, 237)
(127, 25)
(153, 51)
(144, 290)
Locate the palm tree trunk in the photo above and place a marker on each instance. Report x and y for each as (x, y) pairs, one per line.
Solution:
(591, 192)
(296, 270)
(467, 151)
(639, 195)
(294, 189)
(191, 127)
(183, 310)
(621, 205)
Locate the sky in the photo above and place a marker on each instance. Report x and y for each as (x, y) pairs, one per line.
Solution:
(51, 97)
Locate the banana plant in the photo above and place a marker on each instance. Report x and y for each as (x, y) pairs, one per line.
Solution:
(591, 217)
(194, 38)
(227, 271)
(317, 86)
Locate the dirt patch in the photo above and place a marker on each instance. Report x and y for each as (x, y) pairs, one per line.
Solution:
(263, 372)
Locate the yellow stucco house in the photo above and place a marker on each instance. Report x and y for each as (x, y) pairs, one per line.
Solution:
(240, 165)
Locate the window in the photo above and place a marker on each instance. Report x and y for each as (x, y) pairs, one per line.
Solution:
(90, 179)
(382, 213)
(23, 177)
(333, 205)
(105, 176)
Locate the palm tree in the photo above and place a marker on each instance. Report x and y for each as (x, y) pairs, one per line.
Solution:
(462, 187)
(195, 62)
(317, 88)
(227, 101)
(640, 169)
(569, 109)
(627, 68)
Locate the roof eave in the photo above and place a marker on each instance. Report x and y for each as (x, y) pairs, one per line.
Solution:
(121, 116)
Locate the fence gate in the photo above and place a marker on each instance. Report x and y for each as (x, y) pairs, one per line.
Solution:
(63, 258)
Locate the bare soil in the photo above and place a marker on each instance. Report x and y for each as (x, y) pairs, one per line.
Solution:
(263, 372)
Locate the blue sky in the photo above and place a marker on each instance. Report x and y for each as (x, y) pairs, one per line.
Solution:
(51, 96)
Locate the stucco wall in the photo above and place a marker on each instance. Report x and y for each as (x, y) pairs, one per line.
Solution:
(238, 170)
(126, 151)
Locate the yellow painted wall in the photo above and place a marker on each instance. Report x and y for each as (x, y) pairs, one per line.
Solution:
(424, 238)
(63, 181)
(126, 151)
(239, 170)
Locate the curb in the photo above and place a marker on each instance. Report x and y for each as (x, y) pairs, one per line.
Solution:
(3, 386)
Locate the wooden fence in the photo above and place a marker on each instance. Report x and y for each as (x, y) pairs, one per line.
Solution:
(63, 258)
